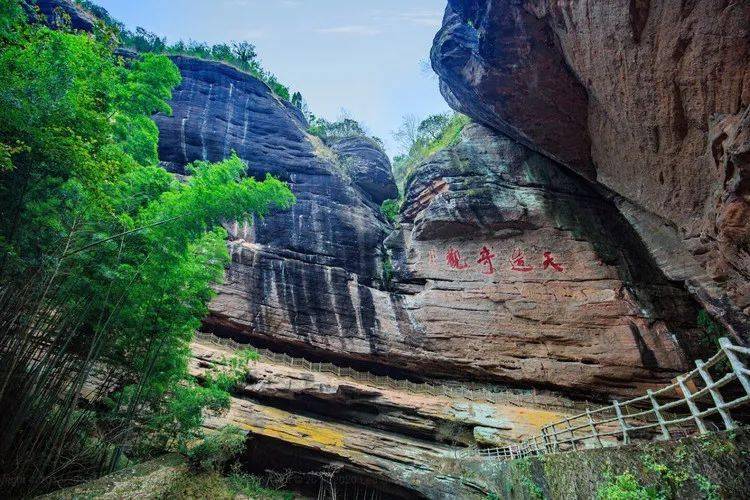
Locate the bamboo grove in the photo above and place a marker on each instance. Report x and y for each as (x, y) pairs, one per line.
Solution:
(106, 260)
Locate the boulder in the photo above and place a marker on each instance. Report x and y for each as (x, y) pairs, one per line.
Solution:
(368, 166)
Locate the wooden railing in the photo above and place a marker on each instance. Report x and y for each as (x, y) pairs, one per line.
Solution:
(696, 402)
(466, 390)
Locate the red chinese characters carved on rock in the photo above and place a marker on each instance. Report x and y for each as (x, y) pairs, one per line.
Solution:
(549, 261)
(518, 262)
(485, 258)
(453, 258)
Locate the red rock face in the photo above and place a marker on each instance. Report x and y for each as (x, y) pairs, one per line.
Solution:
(508, 268)
(531, 276)
(650, 98)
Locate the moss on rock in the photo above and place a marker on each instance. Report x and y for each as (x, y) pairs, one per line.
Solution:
(707, 467)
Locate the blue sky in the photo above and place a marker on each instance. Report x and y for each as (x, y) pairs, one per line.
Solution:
(366, 57)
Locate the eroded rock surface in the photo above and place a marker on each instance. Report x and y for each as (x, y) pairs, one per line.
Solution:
(648, 98)
(410, 440)
(290, 267)
(508, 269)
(445, 419)
(58, 13)
(531, 276)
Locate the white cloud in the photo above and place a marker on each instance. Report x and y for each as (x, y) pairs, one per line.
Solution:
(419, 17)
(353, 29)
(422, 17)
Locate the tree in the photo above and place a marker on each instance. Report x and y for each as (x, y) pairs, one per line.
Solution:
(244, 52)
(431, 127)
(222, 52)
(144, 41)
(408, 133)
(420, 139)
(390, 209)
(297, 101)
(107, 260)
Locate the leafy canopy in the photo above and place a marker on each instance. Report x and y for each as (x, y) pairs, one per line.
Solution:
(241, 54)
(421, 139)
(124, 254)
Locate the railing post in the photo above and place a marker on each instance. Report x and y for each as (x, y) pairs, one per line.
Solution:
(623, 425)
(555, 446)
(737, 366)
(659, 418)
(572, 436)
(593, 428)
(536, 445)
(691, 404)
(545, 440)
(716, 395)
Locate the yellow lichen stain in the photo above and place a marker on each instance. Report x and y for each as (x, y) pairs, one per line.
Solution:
(291, 428)
(533, 417)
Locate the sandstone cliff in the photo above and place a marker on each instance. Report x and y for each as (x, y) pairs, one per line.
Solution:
(648, 98)
(567, 297)
(533, 277)
(547, 249)
(587, 313)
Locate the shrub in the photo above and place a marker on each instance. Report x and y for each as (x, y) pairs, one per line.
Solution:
(390, 209)
(241, 54)
(713, 330)
(217, 450)
(422, 139)
(251, 486)
(340, 129)
(626, 487)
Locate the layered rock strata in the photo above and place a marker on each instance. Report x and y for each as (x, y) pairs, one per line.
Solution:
(533, 277)
(648, 98)
(394, 436)
(508, 269)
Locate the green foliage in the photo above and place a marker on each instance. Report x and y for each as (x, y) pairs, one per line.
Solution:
(671, 480)
(717, 448)
(340, 129)
(390, 209)
(241, 54)
(217, 487)
(181, 411)
(420, 140)
(626, 487)
(217, 450)
(70, 114)
(175, 259)
(709, 490)
(252, 487)
(713, 330)
(198, 486)
(120, 254)
(523, 466)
